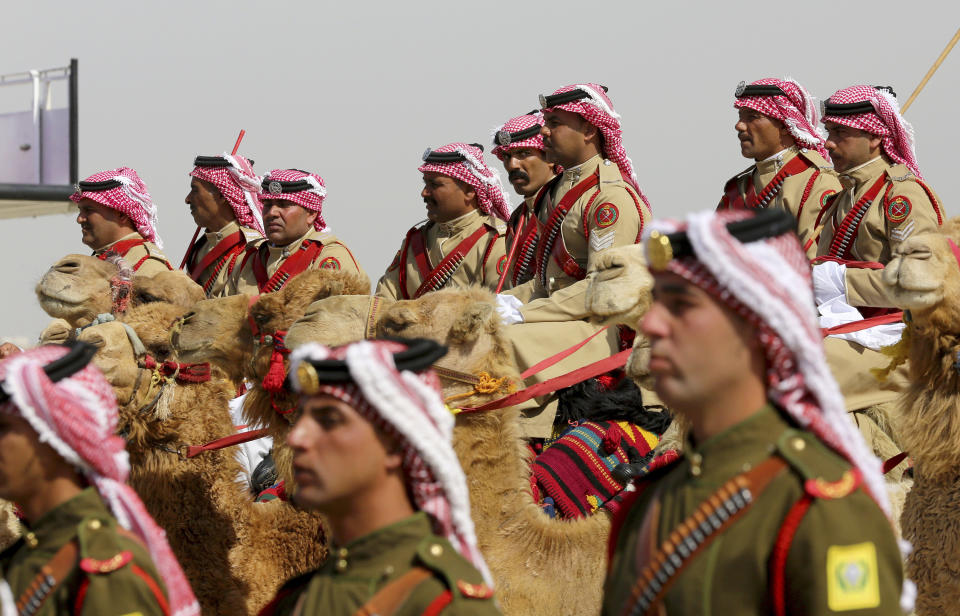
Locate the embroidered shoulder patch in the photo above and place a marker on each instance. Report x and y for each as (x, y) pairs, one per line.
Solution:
(897, 209)
(501, 264)
(606, 215)
(395, 263)
(92, 565)
(831, 490)
(853, 582)
(826, 197)
(330, 263)
(474, 591)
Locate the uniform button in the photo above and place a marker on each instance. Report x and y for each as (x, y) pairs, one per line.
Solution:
(342, 553)
(341, 565)
(436, 549)
(94, 524)
(695, 461)
(388, 571)
(798, 443)
(31, 540)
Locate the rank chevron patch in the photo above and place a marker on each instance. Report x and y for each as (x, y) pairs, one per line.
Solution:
(600, 240)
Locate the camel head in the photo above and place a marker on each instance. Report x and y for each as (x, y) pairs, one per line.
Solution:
(923, 276)
(466, 321)
(77, 288)
(116, 358)
(173, 287)
(215, 331)
(619, 286)
(336, 320)
(153, 323)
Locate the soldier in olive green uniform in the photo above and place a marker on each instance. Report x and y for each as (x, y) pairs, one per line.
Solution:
(374, 455)
(779, 128)
(223, 201)
(519, 146)
(593, 205)
(118, 215)
(297, 238)
(66, 470)
(462, 243)
(777, 506)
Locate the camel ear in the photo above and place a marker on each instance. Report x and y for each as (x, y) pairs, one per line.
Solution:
(471, 323)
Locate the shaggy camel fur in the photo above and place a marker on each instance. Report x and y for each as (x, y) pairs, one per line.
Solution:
(235, 552)
(540, 565)
(219, 331)
(77, 288)
(923, 277)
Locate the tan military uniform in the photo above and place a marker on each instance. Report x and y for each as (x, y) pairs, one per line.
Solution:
(481, 265)
(110, 572)
(213, 278)
(842, 558)
(145, 259)
(902, 208)
(553, 313)
(335, 256)
(801, 194)
(522, 266)
(356, 572)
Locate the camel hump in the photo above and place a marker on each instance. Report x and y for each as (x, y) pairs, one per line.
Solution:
(452, 574)
(818, 465)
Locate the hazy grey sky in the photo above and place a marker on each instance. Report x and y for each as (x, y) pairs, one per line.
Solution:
(356, 91)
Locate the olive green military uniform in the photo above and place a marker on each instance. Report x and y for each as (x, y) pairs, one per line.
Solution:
(112, 573)
(220, 272)
(843, 558)
(335, 256)
(797, 194)
(481, 265)
(354, 573)
(553, 315)
(145, 259)
(901, 209)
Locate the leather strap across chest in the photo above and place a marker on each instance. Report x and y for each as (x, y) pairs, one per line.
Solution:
(526, 235)
(845, 233)
(436, 277)
(227, 250)
(550, 232)
(124, 246)
(749, 199)
(51, 575)
(296, 263)
(694, 534)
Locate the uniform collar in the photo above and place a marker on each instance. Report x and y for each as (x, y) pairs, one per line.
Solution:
(573, 175)
(726, 452)
(61, 522)
(772, 164)
(289, 249)
(215, 237)
(129, 236)
(369, 549)
(854, 178)
(458, 225)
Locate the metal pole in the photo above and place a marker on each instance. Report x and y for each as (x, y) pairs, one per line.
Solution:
(933, 69)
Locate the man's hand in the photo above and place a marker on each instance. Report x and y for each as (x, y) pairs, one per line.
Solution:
(7, 349)
(508, 307)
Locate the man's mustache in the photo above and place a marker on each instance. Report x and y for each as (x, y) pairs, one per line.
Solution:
(517, 175)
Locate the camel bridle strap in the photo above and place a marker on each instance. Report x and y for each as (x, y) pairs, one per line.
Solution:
(482, 383)
(373, 315)
(276, 373)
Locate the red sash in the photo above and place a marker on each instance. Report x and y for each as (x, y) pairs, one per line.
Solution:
(295, 263)
(434, 278)
(845, 233)
(124, 246)
(735, 200)
(227, 249)
(550, 231)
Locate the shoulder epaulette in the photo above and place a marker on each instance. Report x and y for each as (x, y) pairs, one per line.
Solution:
(825, 474)
(815, 159)
(101, 547)
(459, 576)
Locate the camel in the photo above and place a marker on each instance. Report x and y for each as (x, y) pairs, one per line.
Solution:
(235, 552)
(923, 278)
(78, 288)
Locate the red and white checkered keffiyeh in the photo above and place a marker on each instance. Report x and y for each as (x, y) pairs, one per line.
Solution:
(240, 186)
(77, 417)
(491, 197)
(767, 282)
(131, 198)
(886, 122)
(599, 111)
(515, 125)
(310, 198)
(409, 407)
(799, 111)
